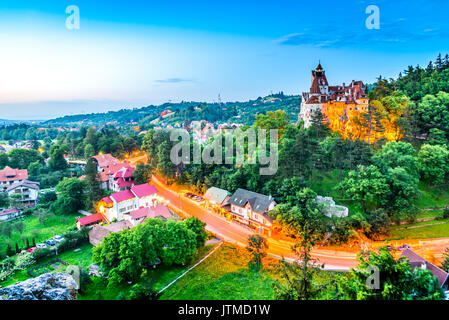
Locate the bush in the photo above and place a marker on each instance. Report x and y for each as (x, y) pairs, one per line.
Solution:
(141, 292)
(446, 213)
(378, 224)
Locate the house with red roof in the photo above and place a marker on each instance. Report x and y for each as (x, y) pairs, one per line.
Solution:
(89, 221)
(104, 161)
(417, 261)
(115, 175)
(122, 179)
(119, 204)
(138, 216)
(9, 176)
(9, 214)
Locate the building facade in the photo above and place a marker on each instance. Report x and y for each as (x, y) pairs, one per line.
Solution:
(252, 208)
(338, 104)
(9, 176)
(28, 190)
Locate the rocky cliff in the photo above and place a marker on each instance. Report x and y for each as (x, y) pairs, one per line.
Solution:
(48, 286)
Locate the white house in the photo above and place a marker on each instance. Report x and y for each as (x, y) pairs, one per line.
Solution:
(29, 190)
(117, 205)
(9, 176)
(9, 214)
(251, 208)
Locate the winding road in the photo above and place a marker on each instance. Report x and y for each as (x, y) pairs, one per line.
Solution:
(337, 260)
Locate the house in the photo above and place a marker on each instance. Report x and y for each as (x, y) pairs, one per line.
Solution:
(9, 176)
(117, 205)
(9, 214)
(29, 190)
(89, 221)
(105, 160)
(216, 196)
(122, 179)
(417, 261)
(138, 216)
(251, 208)
(98, 233)
(117, 177)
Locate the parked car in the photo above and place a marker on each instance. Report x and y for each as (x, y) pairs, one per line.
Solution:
(31, 249)
(50, 242)
(392, 248)
(41, 246)
(58, 238)
(404, 247)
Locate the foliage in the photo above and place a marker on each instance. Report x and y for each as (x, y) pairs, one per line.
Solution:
(257, 247)
(71, 195)
(397, 280)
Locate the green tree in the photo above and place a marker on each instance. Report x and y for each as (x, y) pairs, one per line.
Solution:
(142, 173)
(396, 280)
(433, 164)
(71, 194)
(257, 246)
(57, 160)
(445, 263)
(198, 227)
(366, 185)
(273, 120)
(94, 190)
(89, 151)
(299, 275)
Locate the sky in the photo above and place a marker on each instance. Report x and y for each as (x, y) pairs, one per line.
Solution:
(129, 54)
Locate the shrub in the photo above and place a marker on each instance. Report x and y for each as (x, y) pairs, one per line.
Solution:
(142, 292)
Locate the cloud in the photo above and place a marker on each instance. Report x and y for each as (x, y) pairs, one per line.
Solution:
(333, 36)
(173, 80)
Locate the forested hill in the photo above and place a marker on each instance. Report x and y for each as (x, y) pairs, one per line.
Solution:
(237, 112)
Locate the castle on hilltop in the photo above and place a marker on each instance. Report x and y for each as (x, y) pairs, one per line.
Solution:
(338, 104)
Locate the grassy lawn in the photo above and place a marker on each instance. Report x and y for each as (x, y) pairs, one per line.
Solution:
(82, 257)
(434, 230)
(225, 275)
(34, 229)
(432, 197)
(324, 184)
(158, 278)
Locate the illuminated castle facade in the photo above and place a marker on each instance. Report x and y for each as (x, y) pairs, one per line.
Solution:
(338, 104)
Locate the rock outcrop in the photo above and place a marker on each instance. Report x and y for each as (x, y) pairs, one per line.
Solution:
(48, 286)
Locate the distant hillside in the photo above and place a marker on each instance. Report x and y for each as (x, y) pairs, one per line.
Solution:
(171, 113)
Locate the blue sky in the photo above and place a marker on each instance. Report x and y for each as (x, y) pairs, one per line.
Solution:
(136, 53)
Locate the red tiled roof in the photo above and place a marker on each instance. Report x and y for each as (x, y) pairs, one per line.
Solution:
(9, 174)
(97, 217)
(107, 200)
(140, 213)
(159, 211)
(106, 160)
(124, 172)
(418, 261)
(122, 183)
(153, 212)
(122, 195)
(143, 190)
(8, 211)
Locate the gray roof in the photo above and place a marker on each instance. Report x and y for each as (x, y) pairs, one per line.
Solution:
(216, 194)
(259, 203)
(25, 184)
